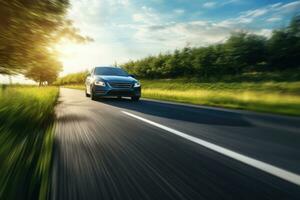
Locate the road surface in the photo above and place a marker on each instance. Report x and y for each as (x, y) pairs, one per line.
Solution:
(118, 149)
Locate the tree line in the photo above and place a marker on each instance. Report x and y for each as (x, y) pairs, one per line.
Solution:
(29, 30)
(74, 78)
(243, 52)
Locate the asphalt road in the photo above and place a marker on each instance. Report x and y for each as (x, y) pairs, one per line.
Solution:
(118, 149)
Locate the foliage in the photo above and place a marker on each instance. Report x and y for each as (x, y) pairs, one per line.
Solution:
(29, 29)
(241, 53)
(44, 71)
(284, 46)
(75, 78)
(26, 119)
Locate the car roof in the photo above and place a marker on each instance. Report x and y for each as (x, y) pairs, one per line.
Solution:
(106, 67)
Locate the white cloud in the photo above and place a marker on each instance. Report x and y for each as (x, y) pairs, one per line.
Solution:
(289, 7)
(214, 4)
(274, 19)
(196, 33)
(230, 2)
(264, 32)
(177, 35)
(276, 5)
(147, 16)
(138, 17)
(210, 4)
(274, 13)
(179, 11)
(277, 9)
(255, 13)
(120, 2)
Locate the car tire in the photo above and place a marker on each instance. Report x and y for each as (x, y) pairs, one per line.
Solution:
(93, 97)
(135, 98)
(86, 94)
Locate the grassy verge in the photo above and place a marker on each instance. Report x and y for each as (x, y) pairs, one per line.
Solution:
(270, 97)
(26, 138)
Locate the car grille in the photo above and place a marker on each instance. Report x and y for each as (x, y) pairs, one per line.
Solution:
(121, 85)
(119, 93)
(100, 91)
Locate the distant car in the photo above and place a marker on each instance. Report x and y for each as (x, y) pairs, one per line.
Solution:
(112, 82)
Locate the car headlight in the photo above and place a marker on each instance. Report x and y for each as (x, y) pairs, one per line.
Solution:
(137, 84)
(100, 83)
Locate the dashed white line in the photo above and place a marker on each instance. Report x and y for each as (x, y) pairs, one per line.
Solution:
(276, 171)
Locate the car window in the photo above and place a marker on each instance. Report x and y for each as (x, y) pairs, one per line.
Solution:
(110, 71)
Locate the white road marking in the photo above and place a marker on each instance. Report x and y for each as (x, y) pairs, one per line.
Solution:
(276, 171)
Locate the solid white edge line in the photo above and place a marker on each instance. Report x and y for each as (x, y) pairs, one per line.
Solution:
(276, 171)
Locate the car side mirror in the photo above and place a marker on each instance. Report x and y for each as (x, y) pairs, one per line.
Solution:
(131, 75)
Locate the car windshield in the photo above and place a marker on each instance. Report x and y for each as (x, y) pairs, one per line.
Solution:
(110, 71)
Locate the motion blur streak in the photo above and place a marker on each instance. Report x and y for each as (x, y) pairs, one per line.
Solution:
(100, 153)
(286, 175)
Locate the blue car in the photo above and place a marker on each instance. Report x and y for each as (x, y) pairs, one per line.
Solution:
(112, 82)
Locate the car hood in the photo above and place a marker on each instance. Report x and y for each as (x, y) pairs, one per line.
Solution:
(125, 79)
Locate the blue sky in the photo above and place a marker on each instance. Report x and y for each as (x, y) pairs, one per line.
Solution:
(125, 30)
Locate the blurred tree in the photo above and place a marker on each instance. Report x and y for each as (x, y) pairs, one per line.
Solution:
(244, 50)
(284, 46)
(44, 71)
(173, 65)
(75, 78)
(185, 61)
(205, 61)
(29, 28)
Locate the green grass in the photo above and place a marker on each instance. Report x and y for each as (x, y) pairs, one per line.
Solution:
(270, 97)
(26, 138)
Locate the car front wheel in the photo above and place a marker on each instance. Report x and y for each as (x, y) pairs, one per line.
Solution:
(135, 98)
(86, 94)
(93, 97)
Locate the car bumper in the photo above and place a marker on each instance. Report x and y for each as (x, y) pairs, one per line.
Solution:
(107, 92)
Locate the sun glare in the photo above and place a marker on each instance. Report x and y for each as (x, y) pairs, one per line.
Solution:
(69, 54)
(67, 49)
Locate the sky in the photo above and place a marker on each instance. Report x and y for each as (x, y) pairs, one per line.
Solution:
(126, 30)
